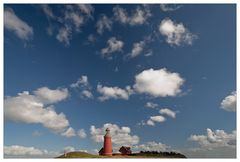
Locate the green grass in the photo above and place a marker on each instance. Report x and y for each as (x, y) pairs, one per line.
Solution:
(87, 155)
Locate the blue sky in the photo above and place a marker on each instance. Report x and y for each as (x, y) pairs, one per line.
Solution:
(162, 77)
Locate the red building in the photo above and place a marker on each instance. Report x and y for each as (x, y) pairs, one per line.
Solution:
(107, 146)
(125, 150)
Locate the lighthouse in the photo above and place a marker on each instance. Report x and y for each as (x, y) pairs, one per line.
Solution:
(107, 146)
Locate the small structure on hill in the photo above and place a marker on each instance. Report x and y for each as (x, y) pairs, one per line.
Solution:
(101, 151)
(125, 150)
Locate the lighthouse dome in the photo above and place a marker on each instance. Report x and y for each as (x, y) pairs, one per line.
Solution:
(107, 133)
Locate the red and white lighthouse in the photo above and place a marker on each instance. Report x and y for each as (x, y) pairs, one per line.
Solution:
(107, 147)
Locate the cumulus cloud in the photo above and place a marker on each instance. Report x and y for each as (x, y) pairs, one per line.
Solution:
(120, 15)
(64, 35)
(70, 22)
(23, 151)
(152, 146)
(77, 20)
(86, 94)
(158, 118)
(113, 92)
(69, 149)
(151, 105)
(138, 17)
(215, 139)
(168, 112)
(73, 18)
(81, 82)
(229, 102)
(49, 96)
(176, 34)
(72, 149)
(149, 122)
(120, 135)
(86, 9)
(113, 45)
(103, 23)
(137, 49)
(158, 83)
(29, 108)
(48, 11)
(169, 7)
(84, 86)
(82, 134)
(155, 119)
(70, 132)
(14, 24)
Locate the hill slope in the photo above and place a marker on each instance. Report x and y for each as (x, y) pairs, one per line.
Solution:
(78, 155)
(138, 155)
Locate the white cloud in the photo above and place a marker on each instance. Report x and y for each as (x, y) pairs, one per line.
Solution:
(70, 132)
(49, 96)
(86, 8)
(151, 105)
(13, 23)
(155, 119)
(120, 15)
(215, 139)
(149, 53)
(168, 112)
(81, 82)
(48, 11)
(158, 83)
(75, 18)
(69, 21)
(120, 135)
(158, 118)
(64, 35)
(103, 23)
(152, 146)
(72, 149)
(86, 94)
(21, 150)
(113, 92)
(69, 149)
(138, 17)
(149, 122)
(176, 34)
(14, 151)
(229, 102)
(137, 49)
(82, 134)
(29, 108)
(169, 7)
(113, 45)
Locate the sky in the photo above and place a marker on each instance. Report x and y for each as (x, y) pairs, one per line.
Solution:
(161, 77)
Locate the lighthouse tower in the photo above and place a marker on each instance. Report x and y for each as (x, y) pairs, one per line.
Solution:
(107, 148)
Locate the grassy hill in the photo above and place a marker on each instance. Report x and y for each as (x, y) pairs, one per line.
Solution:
(78, 155)
(138, 155)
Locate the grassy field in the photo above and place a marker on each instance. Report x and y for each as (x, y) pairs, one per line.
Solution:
(87, 155)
